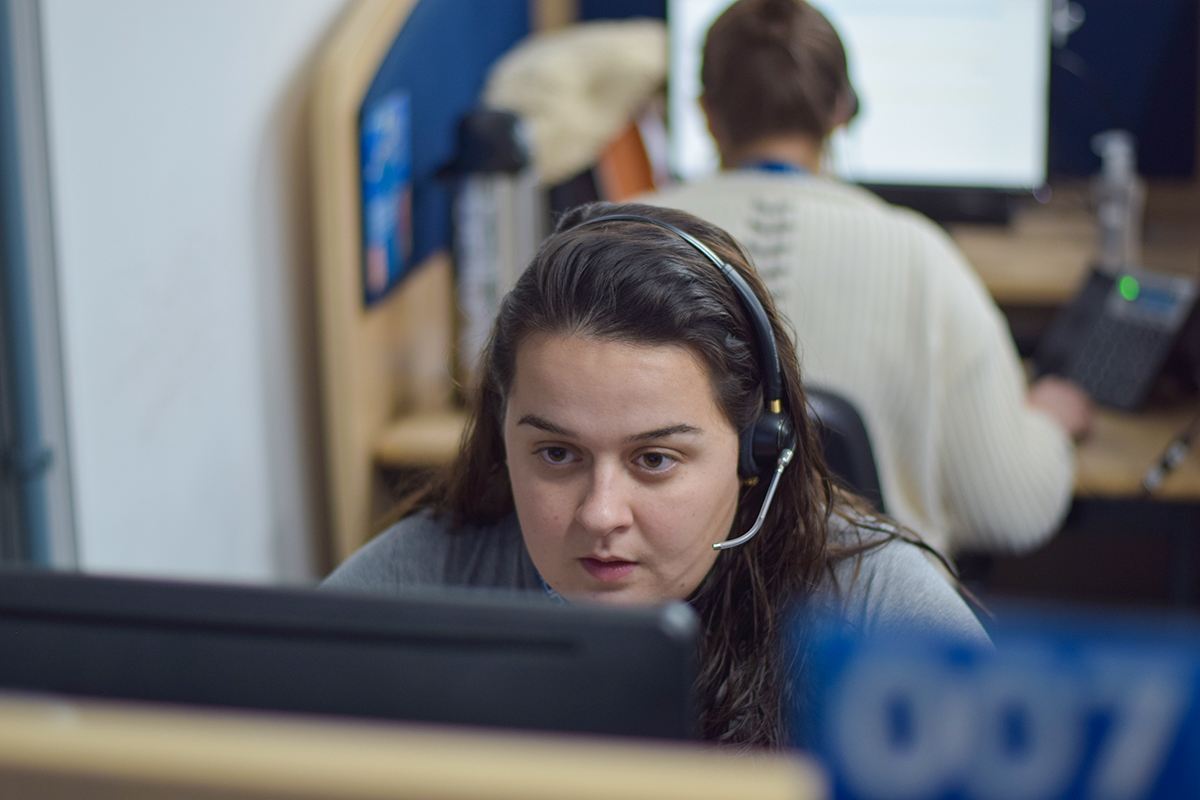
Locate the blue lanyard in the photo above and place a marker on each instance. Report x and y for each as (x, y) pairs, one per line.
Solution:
(553, 595)
(776, 166)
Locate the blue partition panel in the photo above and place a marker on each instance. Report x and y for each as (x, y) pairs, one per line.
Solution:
(440, 60)
(1132, 65)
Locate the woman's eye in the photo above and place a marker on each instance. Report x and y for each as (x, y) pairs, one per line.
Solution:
(656, 461)
(556, 455)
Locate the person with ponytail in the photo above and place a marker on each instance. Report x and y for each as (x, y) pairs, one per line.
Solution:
(888, 312)
(639, 436)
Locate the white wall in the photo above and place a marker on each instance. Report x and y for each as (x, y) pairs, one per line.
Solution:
(177, 136)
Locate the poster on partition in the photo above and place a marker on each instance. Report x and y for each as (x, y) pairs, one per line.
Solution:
(386, 147)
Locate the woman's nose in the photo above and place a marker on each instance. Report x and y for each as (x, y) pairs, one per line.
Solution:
(606, 507)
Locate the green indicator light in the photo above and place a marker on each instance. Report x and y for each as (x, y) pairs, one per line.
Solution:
(1128, 287)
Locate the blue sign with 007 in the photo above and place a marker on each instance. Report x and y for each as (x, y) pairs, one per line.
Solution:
(1060, 711)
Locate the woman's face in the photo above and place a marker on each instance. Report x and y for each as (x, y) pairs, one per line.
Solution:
(623, 467)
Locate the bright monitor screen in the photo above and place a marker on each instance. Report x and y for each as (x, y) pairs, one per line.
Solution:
(953, 92)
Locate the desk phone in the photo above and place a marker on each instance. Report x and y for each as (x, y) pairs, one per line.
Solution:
(1116, 333)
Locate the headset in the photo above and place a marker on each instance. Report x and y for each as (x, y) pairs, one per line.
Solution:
(768, 445)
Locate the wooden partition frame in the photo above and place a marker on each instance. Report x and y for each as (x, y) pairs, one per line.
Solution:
(394, 357)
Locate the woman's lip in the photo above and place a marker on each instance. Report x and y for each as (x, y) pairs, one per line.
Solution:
(609, 570)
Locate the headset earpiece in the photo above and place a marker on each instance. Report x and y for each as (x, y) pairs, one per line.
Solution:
(761, 444)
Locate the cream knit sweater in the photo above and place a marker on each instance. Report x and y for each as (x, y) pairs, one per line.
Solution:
(889, 314)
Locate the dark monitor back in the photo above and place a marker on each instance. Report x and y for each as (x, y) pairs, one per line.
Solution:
(445, 657)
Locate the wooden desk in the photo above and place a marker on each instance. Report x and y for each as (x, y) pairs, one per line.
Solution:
(53, 749)
(1113, 461)
(1041, 257)
(421, 440)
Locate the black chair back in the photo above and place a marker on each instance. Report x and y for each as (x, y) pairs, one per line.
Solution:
(846, 444)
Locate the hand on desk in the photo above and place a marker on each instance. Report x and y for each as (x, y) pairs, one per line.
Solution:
(1066, 402)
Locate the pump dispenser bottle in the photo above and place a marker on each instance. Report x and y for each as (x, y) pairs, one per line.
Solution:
(1119, 195)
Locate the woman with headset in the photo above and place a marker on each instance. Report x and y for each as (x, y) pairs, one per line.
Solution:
(639, 436)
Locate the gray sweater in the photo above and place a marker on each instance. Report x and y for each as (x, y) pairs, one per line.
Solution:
(891, 587)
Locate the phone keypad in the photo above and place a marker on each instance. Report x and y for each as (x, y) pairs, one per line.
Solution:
(1120, 361)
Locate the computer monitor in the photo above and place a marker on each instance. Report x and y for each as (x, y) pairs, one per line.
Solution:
(458, 657)
(953, 94)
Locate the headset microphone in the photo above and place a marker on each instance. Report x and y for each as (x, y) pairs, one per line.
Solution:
(769, 443)
(784, 459)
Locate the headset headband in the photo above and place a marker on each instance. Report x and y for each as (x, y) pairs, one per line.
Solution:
(761, 324)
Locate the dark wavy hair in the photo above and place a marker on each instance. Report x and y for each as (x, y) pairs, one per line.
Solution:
(773, 67)
(634, 282)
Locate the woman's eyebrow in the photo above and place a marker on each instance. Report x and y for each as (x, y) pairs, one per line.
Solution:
(546, 425)
(543, 424)
(663, 433)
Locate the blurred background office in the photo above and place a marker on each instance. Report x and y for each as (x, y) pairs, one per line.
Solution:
(163, 404)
